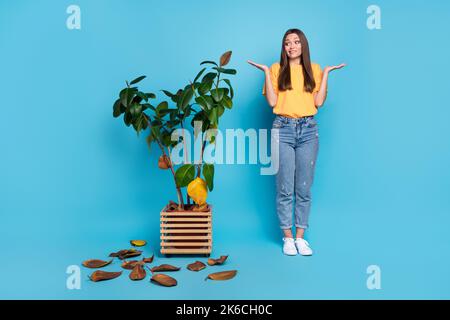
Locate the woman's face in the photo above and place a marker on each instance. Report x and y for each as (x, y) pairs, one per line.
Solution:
(292, 46)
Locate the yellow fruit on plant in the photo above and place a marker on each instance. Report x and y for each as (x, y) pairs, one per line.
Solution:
(197, 191)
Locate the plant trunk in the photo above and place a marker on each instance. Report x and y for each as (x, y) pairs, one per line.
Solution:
(179, 194)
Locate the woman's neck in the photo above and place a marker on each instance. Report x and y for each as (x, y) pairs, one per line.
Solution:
(294, 62)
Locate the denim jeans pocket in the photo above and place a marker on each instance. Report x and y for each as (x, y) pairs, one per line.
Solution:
(277, 123)
(312, 122)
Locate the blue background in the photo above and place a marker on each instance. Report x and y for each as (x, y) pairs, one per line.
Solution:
(75, 183)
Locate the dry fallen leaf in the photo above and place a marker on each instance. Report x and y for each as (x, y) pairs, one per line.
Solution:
(127, 253)
(103, 275)
(129, 265)
(138, 243)
(196, 266)
(164, 267)
(148, 260)
(164, 280)
(221, 260)
(138, 272)
(223, 275)
(95, 263)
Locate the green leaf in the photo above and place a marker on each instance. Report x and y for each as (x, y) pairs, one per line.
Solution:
(212, 116)
(137, 79)
(203, 102)
(199, 74)
(117, 108)
(205, 87)
(167, 93)
(127, 118)
(203, 117)
(209, 62)
(126, 95)
(140, 123)
(231, 88)
(208, 173)
(184, 175)
(209, 77)
(150, 95)
(217, 94)
(227, 102)
(135, 110)
(226, 71)
(143, 96)
(185, 98)
(162, 106)
(166, 138)
(220, 110)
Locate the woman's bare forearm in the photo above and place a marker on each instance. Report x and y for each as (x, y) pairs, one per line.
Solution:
(321, 95)
(270, 93)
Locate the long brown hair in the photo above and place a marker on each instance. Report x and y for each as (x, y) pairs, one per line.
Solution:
(284, 77)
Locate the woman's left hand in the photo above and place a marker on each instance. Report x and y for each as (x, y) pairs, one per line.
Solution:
(327, 69)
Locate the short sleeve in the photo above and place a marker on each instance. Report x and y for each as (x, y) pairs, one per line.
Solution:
(317, 71)
(274, 69)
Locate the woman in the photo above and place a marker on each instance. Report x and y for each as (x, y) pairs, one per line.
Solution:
(295, 88)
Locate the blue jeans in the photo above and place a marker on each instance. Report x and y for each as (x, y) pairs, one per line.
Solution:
(297, 140)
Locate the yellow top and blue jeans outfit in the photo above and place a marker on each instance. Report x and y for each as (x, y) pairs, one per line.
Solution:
(295, 141)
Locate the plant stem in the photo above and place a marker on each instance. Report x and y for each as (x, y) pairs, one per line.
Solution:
(179, 194)
(185, 157)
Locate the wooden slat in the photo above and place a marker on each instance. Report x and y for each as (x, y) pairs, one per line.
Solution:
(185, 231)
(185, 251)
(163, 237)
(185, 244)
(185, 225)
(186, 219)
(183, 214)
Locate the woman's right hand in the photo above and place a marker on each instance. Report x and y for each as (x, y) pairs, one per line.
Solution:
(259, 66)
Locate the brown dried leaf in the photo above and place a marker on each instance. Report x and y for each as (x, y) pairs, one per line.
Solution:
(221, 260)
(95, 263)
(203, 208)
(129, 265)
(172, 206)
(164, 267)
(118, 253)
(148, 260)
(223, 275)
(164, 280)
(104, 275)
(138, 272)
(225, 58)
(125, 254)
(196, 266)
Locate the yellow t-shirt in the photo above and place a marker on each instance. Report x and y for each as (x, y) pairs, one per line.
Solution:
(295, 103)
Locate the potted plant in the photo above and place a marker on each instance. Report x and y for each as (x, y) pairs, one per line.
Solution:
(186, 228)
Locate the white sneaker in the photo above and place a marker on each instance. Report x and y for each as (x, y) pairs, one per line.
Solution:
(289, 247)
(303, 247)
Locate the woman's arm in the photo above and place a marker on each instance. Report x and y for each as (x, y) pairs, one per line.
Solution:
(321, 95)
(271, 96)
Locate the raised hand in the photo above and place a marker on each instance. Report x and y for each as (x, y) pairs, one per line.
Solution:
(259, 66)
(327, 69)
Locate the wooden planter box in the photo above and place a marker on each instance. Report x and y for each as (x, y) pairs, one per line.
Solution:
(186, 232)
